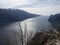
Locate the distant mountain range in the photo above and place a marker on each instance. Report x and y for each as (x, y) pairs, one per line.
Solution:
(14, 15)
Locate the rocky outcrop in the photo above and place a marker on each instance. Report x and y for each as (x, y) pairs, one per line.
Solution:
(55, 21)
(46, 37)
(54, 18)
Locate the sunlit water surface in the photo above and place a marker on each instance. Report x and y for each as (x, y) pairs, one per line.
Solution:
(29, 27)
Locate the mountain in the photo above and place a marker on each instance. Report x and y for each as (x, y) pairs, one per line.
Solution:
(13, 15)
(55, 20)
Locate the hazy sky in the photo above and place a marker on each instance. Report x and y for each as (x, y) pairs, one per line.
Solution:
(44, 7)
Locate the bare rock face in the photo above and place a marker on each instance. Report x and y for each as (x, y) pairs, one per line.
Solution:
(46, 37)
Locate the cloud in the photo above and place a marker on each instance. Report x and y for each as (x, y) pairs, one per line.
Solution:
(44, 10)
(25, 6)
(40, 3)
(27, 3)
(34, 6)
(12, 3)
